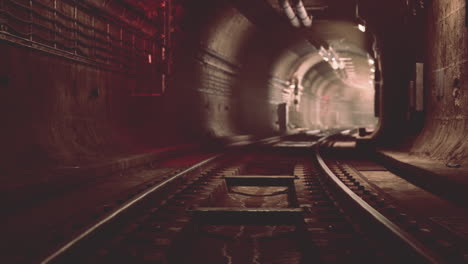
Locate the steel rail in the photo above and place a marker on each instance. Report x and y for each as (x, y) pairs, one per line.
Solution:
(121, 209)
(417, 247)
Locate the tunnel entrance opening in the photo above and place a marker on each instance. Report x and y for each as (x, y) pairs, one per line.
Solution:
(331, 88)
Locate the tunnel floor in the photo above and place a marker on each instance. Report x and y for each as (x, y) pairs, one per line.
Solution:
(58, 219)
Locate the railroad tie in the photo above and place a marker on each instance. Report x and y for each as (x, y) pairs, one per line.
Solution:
(247, 216)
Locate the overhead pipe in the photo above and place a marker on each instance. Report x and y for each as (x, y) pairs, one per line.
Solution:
(302, 13)
(290, 13)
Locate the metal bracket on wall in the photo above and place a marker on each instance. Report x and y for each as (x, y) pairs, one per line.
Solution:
(419, 87)
(439, 82)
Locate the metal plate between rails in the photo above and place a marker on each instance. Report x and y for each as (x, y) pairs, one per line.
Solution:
(295, 144)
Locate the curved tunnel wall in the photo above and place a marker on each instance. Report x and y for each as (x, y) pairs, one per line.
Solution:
(207, 69)
(437, 37)
(446, 84)
(227, 72)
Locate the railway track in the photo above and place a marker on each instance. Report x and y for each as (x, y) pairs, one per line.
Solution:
(276, 203)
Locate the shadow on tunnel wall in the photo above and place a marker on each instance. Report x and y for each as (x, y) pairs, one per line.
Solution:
(223, 68)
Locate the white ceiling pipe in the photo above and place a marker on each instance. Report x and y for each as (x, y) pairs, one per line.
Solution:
(290, 13)
(302, 14)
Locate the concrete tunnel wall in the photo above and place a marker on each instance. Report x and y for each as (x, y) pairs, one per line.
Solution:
(443, 136)
(437, 38)
(49, 117)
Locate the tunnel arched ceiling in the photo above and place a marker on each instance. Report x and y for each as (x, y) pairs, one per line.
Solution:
(334, 25)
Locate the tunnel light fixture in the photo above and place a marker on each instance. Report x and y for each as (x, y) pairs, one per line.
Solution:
(362, 27)
(372, 69)
(361, 22)
(345, 132)
(371, 61)
(323, 52)
(334, 65)
(286, 91)
(333, 59)
(341, 65)
(150, 59)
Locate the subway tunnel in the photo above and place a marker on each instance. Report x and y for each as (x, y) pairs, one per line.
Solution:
(101, 96)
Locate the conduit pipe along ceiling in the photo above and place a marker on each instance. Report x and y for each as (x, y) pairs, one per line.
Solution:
(297, 15)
